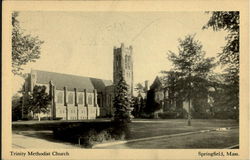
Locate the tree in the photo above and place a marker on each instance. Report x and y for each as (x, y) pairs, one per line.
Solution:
(136, 106)
(16, 107)
(25, 48)
(174, 86)
(229, 57)
(39, 101)
(193, 67)
(171, 80)
(122, 101)
(122, 104)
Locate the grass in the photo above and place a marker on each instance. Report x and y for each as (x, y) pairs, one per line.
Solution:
(150, 128)
(209, 140)
(139, 128)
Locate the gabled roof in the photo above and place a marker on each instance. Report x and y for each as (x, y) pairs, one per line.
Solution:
(71, 81)
(100, 84)
(158, 83)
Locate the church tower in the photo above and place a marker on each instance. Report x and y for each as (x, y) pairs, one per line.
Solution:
(123, 61)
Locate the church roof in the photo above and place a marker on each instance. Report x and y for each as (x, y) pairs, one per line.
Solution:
(71, 81)
(100, 84)
(158, 83)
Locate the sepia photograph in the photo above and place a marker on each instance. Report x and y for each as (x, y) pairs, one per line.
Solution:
(81, 80)
(134, 80)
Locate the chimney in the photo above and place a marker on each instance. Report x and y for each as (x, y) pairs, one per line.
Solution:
(146, 85)
(122, 45)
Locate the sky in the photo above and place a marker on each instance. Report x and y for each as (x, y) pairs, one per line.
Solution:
(81, 43)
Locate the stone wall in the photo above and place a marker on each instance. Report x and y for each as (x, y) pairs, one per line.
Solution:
(76, 105)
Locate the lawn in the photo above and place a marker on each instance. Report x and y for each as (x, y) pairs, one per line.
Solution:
(208, 140)
(142, 128)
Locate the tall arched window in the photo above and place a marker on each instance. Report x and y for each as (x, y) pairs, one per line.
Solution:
(70, 98)
(60, 97)
(80, 99)
(126, 62)
(90, 99)
(129, 62)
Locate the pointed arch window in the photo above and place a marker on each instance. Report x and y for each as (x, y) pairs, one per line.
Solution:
(80, 99)
(129, 62)
(70, 98)
(126, 62)
(90, 99)
(60, 97)
(118, 59)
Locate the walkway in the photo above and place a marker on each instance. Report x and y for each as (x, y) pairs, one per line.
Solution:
(23, 142)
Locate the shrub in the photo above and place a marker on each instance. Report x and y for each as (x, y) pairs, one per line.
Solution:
(57, 118)
(45, 118)
(94, 137)
(167, 115)
(91, 133)
(147, 116)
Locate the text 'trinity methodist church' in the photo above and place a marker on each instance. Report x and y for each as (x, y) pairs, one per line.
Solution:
(78, 97)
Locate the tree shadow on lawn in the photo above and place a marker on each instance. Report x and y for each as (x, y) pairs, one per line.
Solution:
(45, 135)
(59, 131)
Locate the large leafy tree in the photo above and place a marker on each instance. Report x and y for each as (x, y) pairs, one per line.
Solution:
(172, 80)
(174, 84)
(228, 21)
(230, 55)
(192, 68)
(220, 98)
(25, 48)
(39, 101)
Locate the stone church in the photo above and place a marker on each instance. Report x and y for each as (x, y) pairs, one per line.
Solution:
(79, 97)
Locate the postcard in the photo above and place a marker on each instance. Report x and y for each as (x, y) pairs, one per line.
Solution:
(125, 80)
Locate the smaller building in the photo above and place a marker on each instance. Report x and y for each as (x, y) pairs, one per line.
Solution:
(164, 100)
(167, 100)
(161, 93)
